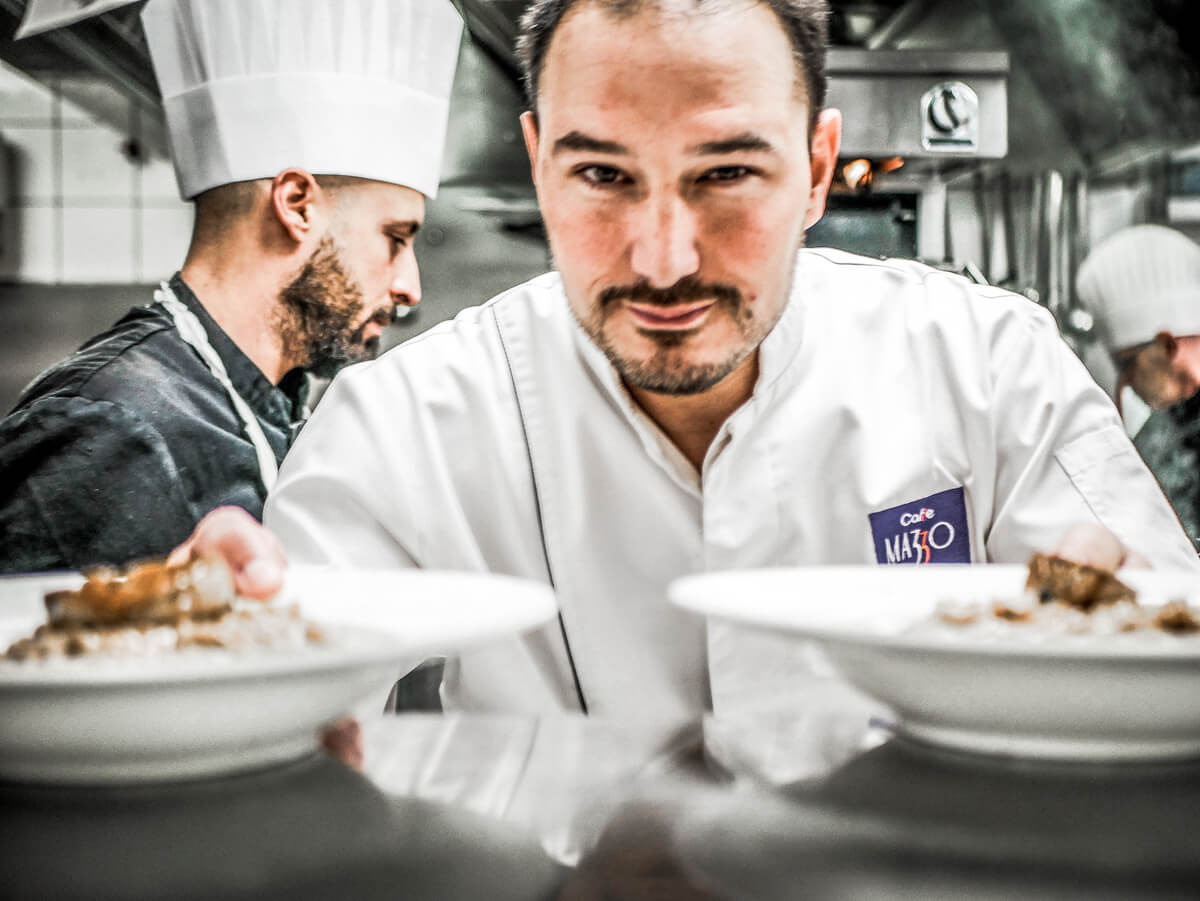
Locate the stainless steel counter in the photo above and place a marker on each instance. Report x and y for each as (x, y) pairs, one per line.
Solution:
(309, 830)
(470, 806)
(812, 805)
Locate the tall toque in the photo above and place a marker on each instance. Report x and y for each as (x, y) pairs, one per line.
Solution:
(337, 87)
(1141, 281)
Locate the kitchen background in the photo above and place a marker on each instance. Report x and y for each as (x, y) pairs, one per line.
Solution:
(1088, 120)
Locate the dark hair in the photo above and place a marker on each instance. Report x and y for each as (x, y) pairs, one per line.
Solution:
(804, 21)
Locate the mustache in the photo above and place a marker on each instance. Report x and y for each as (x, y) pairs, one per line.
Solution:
(385, 316)
(686, 290)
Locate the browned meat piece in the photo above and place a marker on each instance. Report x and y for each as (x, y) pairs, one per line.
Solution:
(958, 617)
(153, 609)
(1085, 587)
(150, 592)
(1011, 614)
(1176, 618)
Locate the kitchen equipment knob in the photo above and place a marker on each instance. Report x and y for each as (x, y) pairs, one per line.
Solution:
(949, 110)
(950, 118)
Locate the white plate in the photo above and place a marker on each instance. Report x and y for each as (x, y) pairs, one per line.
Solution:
(1070, 697)
(200, 713)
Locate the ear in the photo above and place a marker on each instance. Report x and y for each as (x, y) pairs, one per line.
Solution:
(823, 157)
(1168, 344)
(296, 200)
(529, 130)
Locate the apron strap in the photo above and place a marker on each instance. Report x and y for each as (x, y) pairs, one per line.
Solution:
(193, 333)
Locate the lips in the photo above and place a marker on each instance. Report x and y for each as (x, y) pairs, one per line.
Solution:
(672, 318)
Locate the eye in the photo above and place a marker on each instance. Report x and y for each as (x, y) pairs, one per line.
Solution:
(601, 176)
(396, 244)
(726, 174)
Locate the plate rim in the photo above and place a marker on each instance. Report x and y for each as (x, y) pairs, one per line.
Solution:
(1075, 651)
(166, 671)
(368, 646)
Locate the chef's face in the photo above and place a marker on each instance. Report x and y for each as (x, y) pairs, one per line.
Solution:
(672, 161)
(336, 307)
(1153, 372)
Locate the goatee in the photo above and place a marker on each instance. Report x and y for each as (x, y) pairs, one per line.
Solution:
(317, 312)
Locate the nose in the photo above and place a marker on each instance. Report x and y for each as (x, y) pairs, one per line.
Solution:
(405, 288)
(664, 240)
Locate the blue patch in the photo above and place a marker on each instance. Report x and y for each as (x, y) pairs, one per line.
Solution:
(930, 530)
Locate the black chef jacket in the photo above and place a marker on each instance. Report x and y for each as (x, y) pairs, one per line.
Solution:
(1169, 442)
(117, 452)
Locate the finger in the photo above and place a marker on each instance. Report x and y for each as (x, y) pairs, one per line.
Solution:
(181, 554)
(1093, 545)
(343, 739)
(253, 554)
(1134, 560)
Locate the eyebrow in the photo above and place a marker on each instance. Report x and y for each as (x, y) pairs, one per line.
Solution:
(577, 141)
(746, 141)
(404, 229)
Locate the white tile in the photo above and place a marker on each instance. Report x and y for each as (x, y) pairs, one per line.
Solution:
(27, 251)
(86, 99)
(94, 168)
(98, 245)
(166, 232)
(158, 183)
(22, 98)
(155, 170)
(31, 161)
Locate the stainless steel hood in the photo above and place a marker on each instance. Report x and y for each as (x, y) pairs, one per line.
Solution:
(920, 103)
(1105, 74)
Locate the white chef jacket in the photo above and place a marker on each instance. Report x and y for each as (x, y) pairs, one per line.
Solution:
(892, 399)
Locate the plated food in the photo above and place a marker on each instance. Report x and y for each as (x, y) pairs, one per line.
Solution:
(154, 608)
(1075, 667)
(1064, 598)
(162, 673)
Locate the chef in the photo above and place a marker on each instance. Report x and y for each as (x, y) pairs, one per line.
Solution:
(1143, 286)
(307, 139)
(691, 390)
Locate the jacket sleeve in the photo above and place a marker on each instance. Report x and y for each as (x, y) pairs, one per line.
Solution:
(83, 483)
(342, 498)
(1063, 456)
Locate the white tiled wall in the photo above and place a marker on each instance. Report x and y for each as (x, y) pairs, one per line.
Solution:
(74, 208)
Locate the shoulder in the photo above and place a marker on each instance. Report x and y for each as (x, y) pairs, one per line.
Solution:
(443, 391)
(56, 423)
(468, 351)
(537, 301)
(927, 301)
(79, 447)
(101, 368)
(84, 482)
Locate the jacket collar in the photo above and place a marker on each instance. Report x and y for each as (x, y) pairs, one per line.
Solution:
(281, 404)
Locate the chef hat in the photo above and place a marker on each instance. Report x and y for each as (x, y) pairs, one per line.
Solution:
(1141, 281)
(337, 87)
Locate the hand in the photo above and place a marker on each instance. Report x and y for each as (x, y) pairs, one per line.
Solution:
(635, 860)
(343, 739)
(1094, 545)
(253, 554)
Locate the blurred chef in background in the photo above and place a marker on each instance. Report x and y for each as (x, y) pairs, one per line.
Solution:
(692, 390)
(1143, 286)
(308, 134)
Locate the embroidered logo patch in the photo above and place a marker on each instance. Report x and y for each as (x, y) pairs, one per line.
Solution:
(929, 530)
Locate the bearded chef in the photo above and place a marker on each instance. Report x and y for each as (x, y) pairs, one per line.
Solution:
(693, 391)
(307, 136)
(1143, 286)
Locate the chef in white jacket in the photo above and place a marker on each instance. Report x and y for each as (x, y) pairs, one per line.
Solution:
(692, 391)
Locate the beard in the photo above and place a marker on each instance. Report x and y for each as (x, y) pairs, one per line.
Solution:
(317, 312)
(666, 370)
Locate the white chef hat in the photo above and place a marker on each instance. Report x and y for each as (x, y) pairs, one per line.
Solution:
(337, 87)
(1141, 281)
